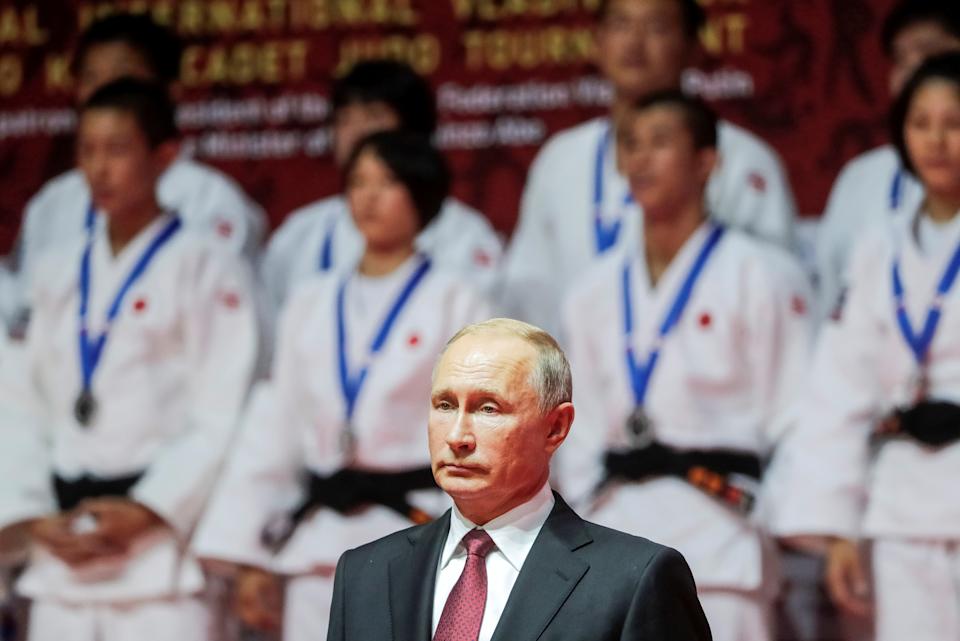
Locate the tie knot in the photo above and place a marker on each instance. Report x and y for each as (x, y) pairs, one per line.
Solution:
(478, 543)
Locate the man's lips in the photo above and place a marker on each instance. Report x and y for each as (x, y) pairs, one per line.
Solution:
(461, 468)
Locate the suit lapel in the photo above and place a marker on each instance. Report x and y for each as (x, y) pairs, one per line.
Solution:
(548, 576)
(412, 576)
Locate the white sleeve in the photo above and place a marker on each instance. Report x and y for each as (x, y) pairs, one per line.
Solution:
(578, 467)
(752, 191)
(530, 290)
(831, 249)
(821, 466)
(221, 347)
(26, 468)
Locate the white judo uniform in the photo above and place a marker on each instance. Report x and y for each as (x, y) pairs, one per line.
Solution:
(322, 236)
(208, 201)
(726, 378)
(172, 378)
(871, 189)
(555, 239)
(902, 496)
(297, 419)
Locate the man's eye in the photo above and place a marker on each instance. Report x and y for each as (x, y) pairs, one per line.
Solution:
(444, 405)
(489, 409)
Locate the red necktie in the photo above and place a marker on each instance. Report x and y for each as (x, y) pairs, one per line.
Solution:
(463, 611)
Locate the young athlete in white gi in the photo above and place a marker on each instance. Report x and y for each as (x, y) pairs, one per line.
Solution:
(577, 205)
(333, 454)
(874, 458)
(206, 199)
(377, 95)
(120, 405)
(687, 350)
(875, 186)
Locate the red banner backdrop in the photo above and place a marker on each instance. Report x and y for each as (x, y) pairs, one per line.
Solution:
(807, 76)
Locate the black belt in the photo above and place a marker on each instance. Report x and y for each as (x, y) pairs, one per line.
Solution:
(349, 489)
(707, 470)
(931, 423)
(71, 493)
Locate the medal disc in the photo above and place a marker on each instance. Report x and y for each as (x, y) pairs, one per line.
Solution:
(85, 407)
(639, 428)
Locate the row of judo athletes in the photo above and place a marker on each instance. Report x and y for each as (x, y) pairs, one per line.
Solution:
(141, 437)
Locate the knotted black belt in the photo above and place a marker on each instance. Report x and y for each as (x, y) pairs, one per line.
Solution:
(712, 471)
(931, 423)
(71, 492)
(349, 489)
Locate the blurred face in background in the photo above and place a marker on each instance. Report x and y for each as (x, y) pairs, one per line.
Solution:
(665, 170)
(932, 136)
(380, 204)
(107, 62)
(355, 121)
(642, 46)
(913, 45)
(118, 162)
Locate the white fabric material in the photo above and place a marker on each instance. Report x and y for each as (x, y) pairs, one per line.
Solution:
(862, 370)
(175, 619)
(170, 383)
(459, 240)
(514, 534)
(917, 590)
(736, 616)
(726, 378)
(207, 200)
(306, 606)
(554, 241)
(860, 198)
(296, 421)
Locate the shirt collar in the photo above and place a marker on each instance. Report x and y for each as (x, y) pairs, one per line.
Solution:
(513, 532)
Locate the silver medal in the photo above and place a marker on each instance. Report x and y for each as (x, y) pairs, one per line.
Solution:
(639, 428)
(85, 407)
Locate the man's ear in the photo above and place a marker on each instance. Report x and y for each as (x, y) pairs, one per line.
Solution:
(708, 160)
(559, 421)
(165, 154)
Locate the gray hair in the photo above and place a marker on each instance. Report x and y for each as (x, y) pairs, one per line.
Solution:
(550, 375)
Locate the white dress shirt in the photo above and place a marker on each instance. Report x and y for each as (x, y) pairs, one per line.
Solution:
(513, 533)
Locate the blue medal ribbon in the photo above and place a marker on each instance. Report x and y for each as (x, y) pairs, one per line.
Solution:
(351, 385)
(326, 250)
(641, 373)
(92, 349)
(605, 234)
(920, 344)
(896, 189)
(91, 218)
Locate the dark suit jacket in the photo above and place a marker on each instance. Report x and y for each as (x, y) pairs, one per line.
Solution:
(580, 581)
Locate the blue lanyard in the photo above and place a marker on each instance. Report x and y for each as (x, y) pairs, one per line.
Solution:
(896, 189)
(606, 234)
(351, 385)
(326, 250)
(91, 218)
(91, 350)
(640, 374)
(920, 345)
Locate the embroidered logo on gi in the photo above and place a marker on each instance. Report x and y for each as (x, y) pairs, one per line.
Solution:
(140, 305)
(482, 258)
(798, 304)
(230, 299)
(414, 340)
(224, 228)
(757, 181)
(705, 320)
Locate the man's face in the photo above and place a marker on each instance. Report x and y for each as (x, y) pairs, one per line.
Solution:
(118, 163)
(107, 62)
(490, 447)
(354, 121)
(642, 46)
(663, 167)
(915, 44)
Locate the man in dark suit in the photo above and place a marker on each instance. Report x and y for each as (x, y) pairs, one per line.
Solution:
(511, 561)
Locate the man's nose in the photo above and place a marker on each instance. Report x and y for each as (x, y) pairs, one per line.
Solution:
(460, 437)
